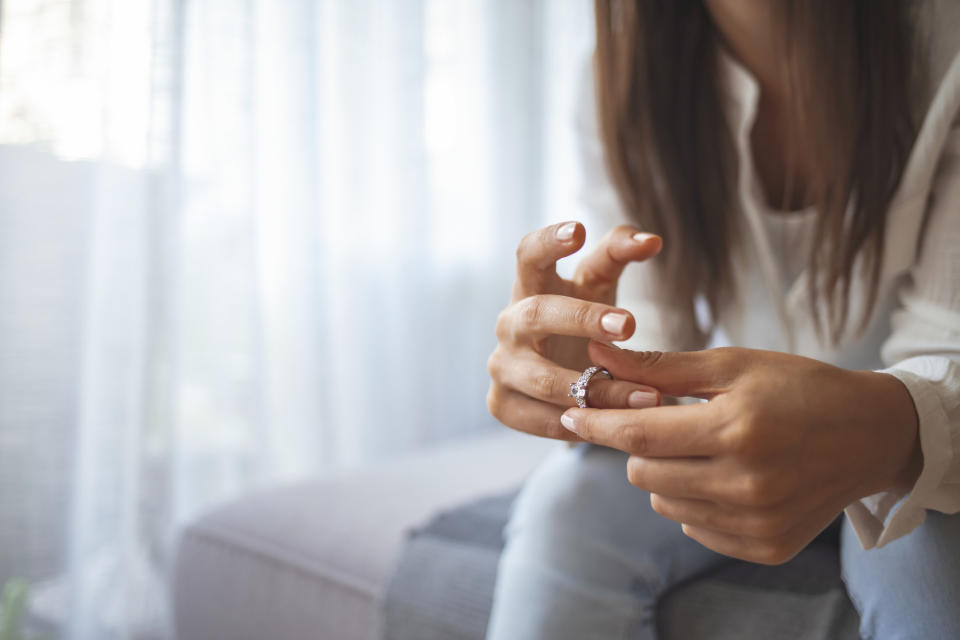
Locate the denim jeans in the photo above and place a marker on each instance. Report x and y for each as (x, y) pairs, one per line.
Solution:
(587, 557)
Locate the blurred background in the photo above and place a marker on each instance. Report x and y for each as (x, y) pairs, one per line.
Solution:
(249, 241)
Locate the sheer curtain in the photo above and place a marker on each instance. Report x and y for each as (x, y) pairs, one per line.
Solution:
(244, 241)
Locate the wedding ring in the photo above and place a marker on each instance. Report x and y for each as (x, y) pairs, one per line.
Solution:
(578, 389)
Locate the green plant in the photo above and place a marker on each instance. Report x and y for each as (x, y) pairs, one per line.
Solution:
(13, 603)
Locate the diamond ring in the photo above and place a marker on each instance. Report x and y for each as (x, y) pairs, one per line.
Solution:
(578, 389)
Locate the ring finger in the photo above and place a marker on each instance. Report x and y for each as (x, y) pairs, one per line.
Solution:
(539, 378)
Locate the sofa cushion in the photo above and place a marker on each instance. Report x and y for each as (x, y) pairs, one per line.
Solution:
(442, 588)
(310, 560)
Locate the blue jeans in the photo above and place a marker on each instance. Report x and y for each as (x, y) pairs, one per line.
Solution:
(587, 557)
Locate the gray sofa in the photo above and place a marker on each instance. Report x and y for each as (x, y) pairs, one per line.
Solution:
(311, 560)
(407, 550)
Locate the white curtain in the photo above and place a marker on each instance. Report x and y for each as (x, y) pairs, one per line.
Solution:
(244, 241)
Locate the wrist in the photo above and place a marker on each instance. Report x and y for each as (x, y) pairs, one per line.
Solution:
(896, 423)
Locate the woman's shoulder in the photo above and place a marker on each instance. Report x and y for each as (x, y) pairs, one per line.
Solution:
(938, 59)
(937, 31)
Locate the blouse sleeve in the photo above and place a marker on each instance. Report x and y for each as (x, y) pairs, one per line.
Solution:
(923, 352)
(660, 324)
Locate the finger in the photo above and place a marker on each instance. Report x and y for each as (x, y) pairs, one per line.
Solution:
(679, 430)
(701, 374)
(766, 550)
(545, 315)
(755, 522)
(600, 270)
(540, 378)
(718, 479)
(526, 414)
(695, 478)
(537, 256)
(741, 547)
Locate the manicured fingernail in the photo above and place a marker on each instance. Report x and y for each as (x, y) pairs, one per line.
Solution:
(614, 322)
(565, 232)
(567, 423)
(641, 400)
(642, 236)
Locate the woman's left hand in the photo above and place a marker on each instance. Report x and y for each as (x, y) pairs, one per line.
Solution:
(783, 444)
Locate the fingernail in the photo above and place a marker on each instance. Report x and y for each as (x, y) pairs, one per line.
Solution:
(567, 423)
(641, 400)
(614, 322)
(565, 232)
(642, 236)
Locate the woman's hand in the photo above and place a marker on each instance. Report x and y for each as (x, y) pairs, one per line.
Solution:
(542, 335)
(783, 444)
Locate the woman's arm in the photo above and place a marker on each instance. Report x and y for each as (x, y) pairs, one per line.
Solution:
(785, 443)
(923, 352)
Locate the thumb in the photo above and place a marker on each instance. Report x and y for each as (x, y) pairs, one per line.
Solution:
(600, 270)
(701, 374)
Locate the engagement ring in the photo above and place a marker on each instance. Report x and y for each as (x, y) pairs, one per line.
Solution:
(578, 389)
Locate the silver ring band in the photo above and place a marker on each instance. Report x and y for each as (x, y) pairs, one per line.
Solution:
(578, 389)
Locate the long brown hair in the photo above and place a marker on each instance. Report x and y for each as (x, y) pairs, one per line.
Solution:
(669, 152)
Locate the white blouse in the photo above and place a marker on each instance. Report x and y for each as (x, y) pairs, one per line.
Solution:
(914, 332)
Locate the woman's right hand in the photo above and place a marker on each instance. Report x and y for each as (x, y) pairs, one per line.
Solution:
(542, 335)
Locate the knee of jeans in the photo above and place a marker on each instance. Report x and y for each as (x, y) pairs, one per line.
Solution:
(568, 491)
(569, 518)
(906, 585)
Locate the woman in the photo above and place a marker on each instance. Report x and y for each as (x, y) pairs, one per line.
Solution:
(801, 162)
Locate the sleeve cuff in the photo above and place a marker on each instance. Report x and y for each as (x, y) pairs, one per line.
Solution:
(881, 518)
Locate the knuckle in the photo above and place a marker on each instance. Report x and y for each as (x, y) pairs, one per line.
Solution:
(730, 360)
(545, 385)
(752, 490)
(493, 364)
(752, 419)
(658, 504)
(760, 490)
(525, 246)
(582, 314)
(635, 438)
(495, 401)
(739, 439)
(744, 434)
(551, 428)
(592, 278)
(648, 358)
(502, 329)
(531, 312)
(635, 477)
(730, 441)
